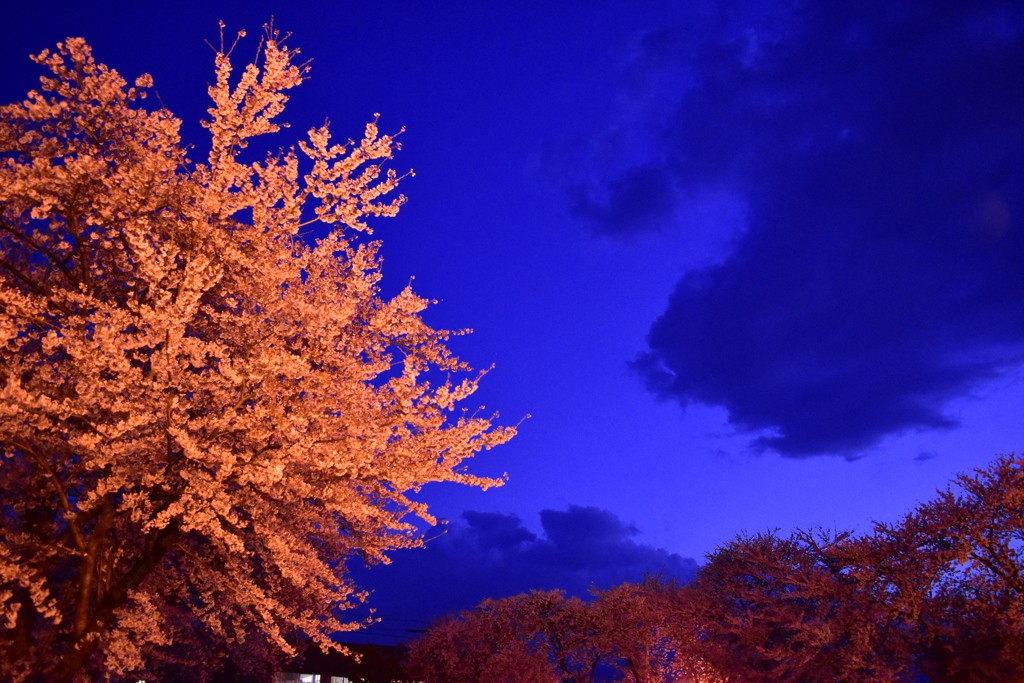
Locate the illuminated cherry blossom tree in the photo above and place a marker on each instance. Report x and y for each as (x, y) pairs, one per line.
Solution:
(770, 608)
(937, 596)
(644, 641)
(538, 636)
(565, 629)
(939, 593)
(202, 414)
(488, 644)
(545, 637)
(954, 572)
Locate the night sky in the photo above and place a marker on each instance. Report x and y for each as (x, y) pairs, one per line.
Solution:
(746, 265)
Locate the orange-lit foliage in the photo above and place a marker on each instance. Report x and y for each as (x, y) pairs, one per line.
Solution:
(938, 593)
(543, 636)
(540, 636)
(643, 641)
(201, 414)
(937, 596)
(563, 629)
(766, 608)
(956, 567)
(488, 644)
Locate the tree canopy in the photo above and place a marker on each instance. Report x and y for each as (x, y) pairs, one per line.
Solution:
(202, 411)
(936, 596)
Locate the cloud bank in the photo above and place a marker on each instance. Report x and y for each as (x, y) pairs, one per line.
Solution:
(878, 149)
(493, 555)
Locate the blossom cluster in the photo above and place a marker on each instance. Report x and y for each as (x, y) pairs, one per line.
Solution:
(937, 596)
(203, 413)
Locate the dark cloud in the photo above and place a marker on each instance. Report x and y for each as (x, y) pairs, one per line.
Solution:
(492, 555)
(879, 151)
(633, 201)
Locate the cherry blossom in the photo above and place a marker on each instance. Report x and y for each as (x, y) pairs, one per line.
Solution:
(203, 413)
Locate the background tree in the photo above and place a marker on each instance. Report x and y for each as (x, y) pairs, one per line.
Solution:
(538, 636)
(201, 414)
(936, 596)
(567, 630)
(954, 570)
(487, 644)
(767, 608)
(544, 636)
(938, 593)
(633, 625)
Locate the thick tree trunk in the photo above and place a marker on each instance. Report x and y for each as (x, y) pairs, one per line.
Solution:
(82, 648)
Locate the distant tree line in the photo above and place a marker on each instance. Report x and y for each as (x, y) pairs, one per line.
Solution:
(938, 597)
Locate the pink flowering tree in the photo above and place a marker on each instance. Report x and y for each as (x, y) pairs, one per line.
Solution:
(535, 637)
(803, 608)
(939, 593)
(202, 414)
(953, 570)
(644, 643)
(566, 629)
(487, 644)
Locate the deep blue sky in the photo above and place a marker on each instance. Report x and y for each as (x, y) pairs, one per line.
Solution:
(746, 264)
